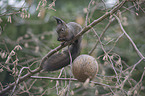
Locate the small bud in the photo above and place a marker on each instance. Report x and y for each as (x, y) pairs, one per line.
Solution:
(9, 19)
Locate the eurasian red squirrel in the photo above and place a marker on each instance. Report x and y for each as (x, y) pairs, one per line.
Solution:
(66, 32)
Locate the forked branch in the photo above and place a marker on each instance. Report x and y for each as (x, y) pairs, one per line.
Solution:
(84, 30)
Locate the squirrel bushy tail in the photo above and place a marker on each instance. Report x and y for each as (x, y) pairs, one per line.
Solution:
(65, 32)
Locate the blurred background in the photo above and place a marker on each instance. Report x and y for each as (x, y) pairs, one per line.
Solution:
(27, 33)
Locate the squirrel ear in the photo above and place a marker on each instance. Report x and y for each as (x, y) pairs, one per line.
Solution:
(59, 21)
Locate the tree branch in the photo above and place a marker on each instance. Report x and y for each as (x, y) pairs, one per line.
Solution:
(135, 47)
(84, 30)
(51, 78)
(72, 79)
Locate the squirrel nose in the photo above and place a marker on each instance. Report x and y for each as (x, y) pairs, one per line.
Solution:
(60, 39)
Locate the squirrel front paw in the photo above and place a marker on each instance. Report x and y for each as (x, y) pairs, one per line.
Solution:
(63, 43)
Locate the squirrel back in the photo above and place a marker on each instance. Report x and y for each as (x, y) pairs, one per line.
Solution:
(66, 32)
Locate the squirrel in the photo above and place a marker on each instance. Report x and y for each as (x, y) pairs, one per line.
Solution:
(66, 32)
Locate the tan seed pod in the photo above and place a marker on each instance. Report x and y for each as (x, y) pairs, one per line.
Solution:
(83, 67)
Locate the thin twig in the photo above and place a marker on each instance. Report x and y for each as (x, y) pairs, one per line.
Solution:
(57, 82)
(116, 42)
(141, 79)
(10, 13)
(84, 30)
(88, 10)
(104, 4)
(72, 79)
(107, 26)
(51, 78)
(135, 47)
(107, 55)
(18, 80)
(126, 78)
(23, 78)
(70, 56)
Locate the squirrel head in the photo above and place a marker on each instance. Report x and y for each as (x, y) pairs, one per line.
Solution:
(62, 30)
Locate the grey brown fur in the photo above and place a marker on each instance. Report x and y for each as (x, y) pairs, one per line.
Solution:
(65, 32)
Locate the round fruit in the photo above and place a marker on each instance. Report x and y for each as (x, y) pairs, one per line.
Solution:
(83, 67)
